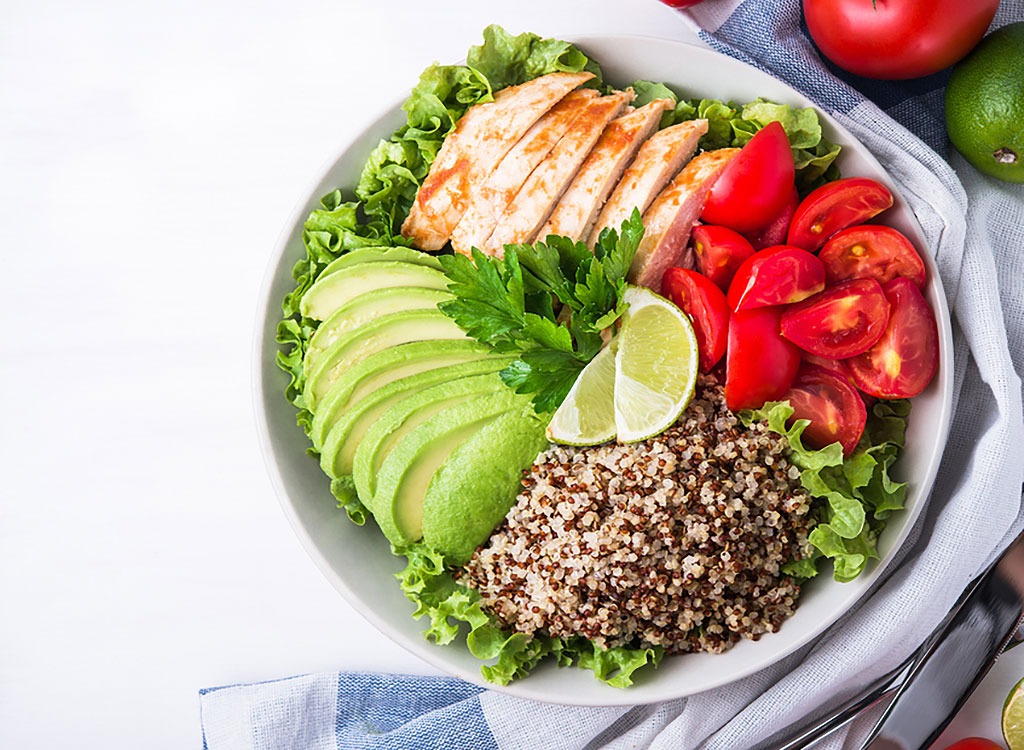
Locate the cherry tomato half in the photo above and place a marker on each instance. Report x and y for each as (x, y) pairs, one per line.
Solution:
(975, 743)
(705, 304)
(759, 364)
(777, 229)
(833, 406)
(834, 206)
(871, 251)
(719, 252)
(776, 276)
(896, 40)
(754, 187)
(843, 321)
(906, 357)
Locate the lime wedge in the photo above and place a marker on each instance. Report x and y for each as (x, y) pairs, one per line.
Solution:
(655, 367)
(1013, 717)
(587, 416)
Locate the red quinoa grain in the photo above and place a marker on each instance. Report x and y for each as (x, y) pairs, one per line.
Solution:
(677, 541)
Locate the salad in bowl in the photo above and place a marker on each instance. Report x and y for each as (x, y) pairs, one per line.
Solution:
(580, 360)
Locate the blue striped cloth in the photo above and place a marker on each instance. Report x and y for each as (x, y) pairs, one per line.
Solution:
(975, 227)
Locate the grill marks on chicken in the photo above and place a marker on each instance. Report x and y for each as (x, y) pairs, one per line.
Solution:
(657, 162)
(547, 157)
(483, 135)
(576, 212)
(525, 213)
(489, 201)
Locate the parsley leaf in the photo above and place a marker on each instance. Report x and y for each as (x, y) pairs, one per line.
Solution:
(548, 302)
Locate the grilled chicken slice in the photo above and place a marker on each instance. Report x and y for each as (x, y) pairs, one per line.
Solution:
(667, 223)
(576, 212)
(525, 214)
(657, 162)
(483, 135)
(490, 199)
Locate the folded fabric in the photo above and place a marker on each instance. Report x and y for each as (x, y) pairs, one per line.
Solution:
(975, 227)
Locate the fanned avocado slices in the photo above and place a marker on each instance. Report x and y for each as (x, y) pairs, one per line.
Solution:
(338, 452)
(404, 416)
(386, 331)
(384, 367)
(365, 309)
(341, 286)
(474, 488)
(405, 474)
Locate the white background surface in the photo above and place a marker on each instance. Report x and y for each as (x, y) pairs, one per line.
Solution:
(149, 155)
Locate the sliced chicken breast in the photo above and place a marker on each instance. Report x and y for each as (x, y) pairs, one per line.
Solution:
(576, 212)
(658, 161)
(667, 223)
(526, 213)
(490, 199)
(483, 135)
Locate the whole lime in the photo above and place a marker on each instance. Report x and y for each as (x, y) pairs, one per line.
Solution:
(985, 104)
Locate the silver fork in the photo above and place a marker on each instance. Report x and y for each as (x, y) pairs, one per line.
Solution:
(925, 691)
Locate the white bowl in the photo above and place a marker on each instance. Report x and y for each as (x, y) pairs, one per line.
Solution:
(357, 560)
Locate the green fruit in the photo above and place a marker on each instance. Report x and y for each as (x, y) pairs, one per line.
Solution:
(985, 104)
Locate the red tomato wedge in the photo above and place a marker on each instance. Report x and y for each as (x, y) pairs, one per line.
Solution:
(719, 252)
(760, 364)
(843, 321)
(777, 229)
(705, 305)
(754, 187)
(871, 251)
(905, 359)
(835, 365)
(776, 276)
(831, 403)
(835, 206)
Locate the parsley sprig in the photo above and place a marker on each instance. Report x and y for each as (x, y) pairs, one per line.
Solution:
(547, 302)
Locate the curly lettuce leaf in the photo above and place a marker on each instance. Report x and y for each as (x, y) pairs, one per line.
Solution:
(854, 495)
(732, 124)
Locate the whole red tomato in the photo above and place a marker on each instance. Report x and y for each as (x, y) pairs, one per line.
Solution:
(897, 39)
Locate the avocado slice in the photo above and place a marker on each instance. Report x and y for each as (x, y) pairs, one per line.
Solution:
(406, 473)
(338, 451)
(405, 415)
(376, 254)
(476, 486)
(365, 308)
(384, 367)
(330, 292)
(387, 330)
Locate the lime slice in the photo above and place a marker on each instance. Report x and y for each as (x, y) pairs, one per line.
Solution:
(587, 416)
(655, 367)
(1013, 717)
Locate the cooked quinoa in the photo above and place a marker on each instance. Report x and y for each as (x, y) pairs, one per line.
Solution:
(678, 541)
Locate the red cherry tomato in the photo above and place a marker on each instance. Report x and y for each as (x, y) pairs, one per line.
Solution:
(975, 743)
(843, 321)
(776, 276)
(892, 39)
(906, 357)
(705, 304)
(833, 406)
(720, 251)
(777, 229)
(871, 251)
(834, 206)
(759, 364)
(681, 3)
(754, 187)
